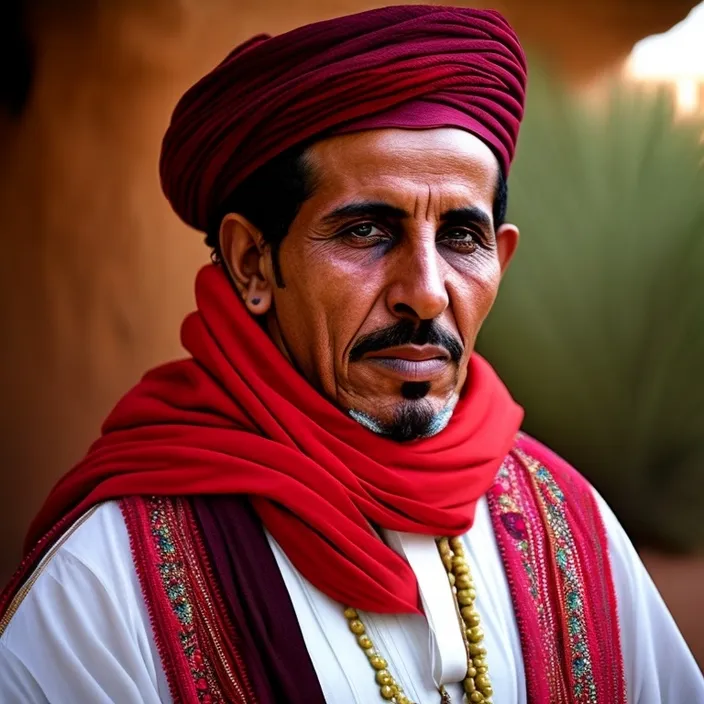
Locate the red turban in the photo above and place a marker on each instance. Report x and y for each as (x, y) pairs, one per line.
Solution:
(410, 66)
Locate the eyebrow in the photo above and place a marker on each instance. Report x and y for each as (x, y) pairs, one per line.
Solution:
(366, 209)
(468, 216)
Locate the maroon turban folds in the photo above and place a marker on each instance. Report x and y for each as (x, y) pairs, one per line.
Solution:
(410, 66)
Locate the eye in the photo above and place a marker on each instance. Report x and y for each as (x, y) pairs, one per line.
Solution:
(365, 234)
(461, 240)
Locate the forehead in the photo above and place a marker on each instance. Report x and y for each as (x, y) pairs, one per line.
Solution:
(398, 165)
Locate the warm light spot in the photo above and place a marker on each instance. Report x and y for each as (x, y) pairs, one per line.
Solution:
(675, 58)
(687, 91)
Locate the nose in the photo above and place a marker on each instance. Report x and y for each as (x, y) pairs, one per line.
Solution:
(418, 288)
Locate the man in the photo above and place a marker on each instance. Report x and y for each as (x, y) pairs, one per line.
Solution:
(330, 500)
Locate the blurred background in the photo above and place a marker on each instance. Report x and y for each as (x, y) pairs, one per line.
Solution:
(598, 331)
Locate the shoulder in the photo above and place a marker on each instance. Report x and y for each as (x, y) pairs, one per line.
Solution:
(542, 454)
(536, 455)
(647, 631)
(590, 520)
(95, 549)
(99, 542)
(81, 608)
(92, 559)
(580, 495)
(554, 474)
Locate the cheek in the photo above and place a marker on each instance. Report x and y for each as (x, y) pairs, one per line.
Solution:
(299, 309)
(349, 285)
(475, 297)
(487, 287)
(322, 311)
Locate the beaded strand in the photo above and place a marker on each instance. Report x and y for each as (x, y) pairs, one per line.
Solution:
(476, 684)
(389, 688)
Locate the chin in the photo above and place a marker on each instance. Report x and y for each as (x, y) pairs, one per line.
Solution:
(412, 419)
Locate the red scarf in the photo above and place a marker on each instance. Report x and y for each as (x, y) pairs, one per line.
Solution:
(238, 419)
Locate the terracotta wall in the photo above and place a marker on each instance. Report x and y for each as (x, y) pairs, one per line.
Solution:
(95, 271)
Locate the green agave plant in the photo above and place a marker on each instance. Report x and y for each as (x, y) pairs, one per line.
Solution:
(599, 327)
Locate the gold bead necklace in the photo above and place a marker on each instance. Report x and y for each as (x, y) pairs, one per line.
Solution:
(389, 688)
(476, 684)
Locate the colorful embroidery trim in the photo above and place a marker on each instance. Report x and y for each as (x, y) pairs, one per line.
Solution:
(523, 550)
(558, 581)
(175, 582)
(571, 582)
(198, 655)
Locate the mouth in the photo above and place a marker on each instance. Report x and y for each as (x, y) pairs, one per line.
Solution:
(411, 362)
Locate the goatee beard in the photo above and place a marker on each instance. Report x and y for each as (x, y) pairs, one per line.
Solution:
(412, 420)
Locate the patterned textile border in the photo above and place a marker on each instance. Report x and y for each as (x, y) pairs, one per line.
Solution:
(195, 641)
(559, 576)
(570, 580)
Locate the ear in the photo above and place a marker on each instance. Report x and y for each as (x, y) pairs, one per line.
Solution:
(244, 253)
(506, 244)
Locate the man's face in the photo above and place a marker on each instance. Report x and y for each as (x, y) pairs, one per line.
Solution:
(389, 270)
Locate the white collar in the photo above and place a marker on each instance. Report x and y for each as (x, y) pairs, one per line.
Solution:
(448, 654)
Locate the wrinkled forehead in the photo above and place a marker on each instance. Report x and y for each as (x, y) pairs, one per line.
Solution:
(397, 165)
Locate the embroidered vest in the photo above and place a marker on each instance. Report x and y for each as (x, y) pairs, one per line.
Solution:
(218, 643)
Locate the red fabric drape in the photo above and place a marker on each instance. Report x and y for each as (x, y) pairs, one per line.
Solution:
(237, 418)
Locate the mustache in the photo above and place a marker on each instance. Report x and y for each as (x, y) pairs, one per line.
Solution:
(408, 332)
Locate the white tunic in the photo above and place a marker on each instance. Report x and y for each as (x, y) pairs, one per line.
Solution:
(82, 633)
